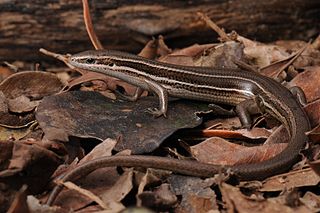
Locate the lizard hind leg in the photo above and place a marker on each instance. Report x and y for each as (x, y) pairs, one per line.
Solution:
(244, 111)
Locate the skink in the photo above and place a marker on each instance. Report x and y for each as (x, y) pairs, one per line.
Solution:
(248, 91)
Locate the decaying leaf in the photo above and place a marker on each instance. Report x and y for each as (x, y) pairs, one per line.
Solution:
(160, 198)
(222, 56)
(110, 188)
(22, 104)
(32, 84)
(262, 54)
(219, 151)
(3, 103)
(299, 178)
(5, 72)
(197, 196)
(90, 115)
(309, 81)
(19, 203)
(312, 201)
(313, 111)
(315, 166)
(21, 164)
(314, 134)
(235, 201)
(36, 206)
(150, 177)
(29, 164)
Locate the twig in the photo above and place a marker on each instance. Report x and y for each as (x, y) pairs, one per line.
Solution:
(63, 58)
(11, 66)
(224, 36)
(89, 26)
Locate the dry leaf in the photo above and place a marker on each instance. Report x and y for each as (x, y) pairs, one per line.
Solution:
(160, 198)
(31, 84)
(22, 104)
(219, 151)
(197, 194)
(235, 201)
(262, 54)
(35, 206)
(312, 201)
(309, 81)
(304, 177)
(313, 112)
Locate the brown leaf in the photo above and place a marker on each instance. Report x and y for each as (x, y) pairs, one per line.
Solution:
(198, 203)
(150, 177)
(279, 135)
(28, 164)
(5, 154)
(226, 123)
(160, 198)
(197, 196)
(3, 103)
(262, 54)
(193, 50)
(235, 201)
(149, 50)
(255, 133)
(119, 190)
(86, 193)
(310, 57)
(19, 203)
(31, 84)
(313, 112)
(22, 104)
(178, 59)
(5, 72)
(275, 69)
(35, 206)
(162, 48)
(222, 56)
(315, 166)
(103, 149)
(314, 134)
(291, 45)
(292, 179)
(309, 81)
(186, 55)
(219, 151)
(111, 83)
(312, 201)
(111, 188)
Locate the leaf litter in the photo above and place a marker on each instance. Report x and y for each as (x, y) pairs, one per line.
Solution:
(69, 120)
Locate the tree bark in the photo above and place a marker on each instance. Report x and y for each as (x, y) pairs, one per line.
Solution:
(25, 26)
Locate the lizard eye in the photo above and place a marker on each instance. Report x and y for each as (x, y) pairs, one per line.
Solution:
(90, 61)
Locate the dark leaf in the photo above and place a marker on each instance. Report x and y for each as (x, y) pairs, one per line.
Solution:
(89, 114)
